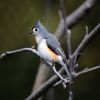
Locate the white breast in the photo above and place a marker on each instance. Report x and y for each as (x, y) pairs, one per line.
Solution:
(42, 49)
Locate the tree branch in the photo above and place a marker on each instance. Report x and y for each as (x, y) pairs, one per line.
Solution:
(19, 50)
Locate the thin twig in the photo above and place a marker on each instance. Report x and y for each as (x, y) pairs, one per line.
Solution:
(86, 70)
(19, 50)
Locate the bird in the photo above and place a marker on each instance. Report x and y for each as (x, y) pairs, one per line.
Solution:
(49, 49)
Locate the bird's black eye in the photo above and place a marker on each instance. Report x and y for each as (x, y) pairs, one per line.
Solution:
(35, 29)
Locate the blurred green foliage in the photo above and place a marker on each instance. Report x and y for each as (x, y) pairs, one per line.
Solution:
(17, 72)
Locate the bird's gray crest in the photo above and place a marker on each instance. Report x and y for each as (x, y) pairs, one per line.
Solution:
(41, 28)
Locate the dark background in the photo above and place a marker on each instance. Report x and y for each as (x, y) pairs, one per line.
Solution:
(18, 71)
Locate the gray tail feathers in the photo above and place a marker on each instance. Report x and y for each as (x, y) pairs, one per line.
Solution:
(65, 63)
(64, 57)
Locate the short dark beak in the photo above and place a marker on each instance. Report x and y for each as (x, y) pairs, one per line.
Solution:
(29, 33)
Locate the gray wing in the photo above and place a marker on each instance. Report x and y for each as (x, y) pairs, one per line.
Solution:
(54, 45)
